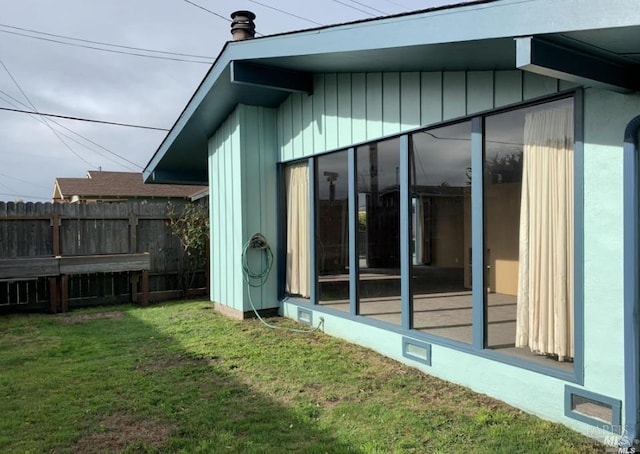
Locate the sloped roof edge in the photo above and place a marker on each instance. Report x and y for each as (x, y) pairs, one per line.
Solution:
(463, 22)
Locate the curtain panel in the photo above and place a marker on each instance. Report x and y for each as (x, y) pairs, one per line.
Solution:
(545, 281)
(297, 233)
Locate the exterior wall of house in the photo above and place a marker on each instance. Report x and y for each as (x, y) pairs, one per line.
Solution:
(347, 109)
(242, 174)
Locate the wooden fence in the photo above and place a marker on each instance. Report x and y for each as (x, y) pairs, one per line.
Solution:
(54, 229)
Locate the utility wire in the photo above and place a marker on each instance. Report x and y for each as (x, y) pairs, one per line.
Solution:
(353, 7)
(367, 6)
(397, 4)
(75, 133)
(36, 112)
(43, 121)
(89, 120)
(23, 195)
(113, 51)
(101, 43)
(208, 10)
(285, 12)
(213, 12)
(23, 181)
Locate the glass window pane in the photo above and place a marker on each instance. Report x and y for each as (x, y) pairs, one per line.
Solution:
(378, 173)
(297, 269)
(528, 194)
(332, 235)
(440, 169)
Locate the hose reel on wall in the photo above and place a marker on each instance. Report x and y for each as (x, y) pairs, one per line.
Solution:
(258, 278)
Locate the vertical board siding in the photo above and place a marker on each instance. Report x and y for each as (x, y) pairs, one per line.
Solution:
(331, 111)
(431, 98)
(507, 88)
(390, 103)
(242, 159)
(480, 91)
(344, 110)
(347, 109)
(358, 107)
(307, 123)
(298, 125)
(259, 147)
(536, 85)
(319, 143)
(214, 209)
(374, 105)
(454, 94)
(410, 100)
(287, 128)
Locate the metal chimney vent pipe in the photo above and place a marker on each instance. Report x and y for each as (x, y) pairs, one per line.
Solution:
(242, 25)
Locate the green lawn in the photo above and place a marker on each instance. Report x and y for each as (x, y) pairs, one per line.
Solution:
(181, 378)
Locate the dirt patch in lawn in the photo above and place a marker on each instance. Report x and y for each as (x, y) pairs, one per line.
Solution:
(85, 318)
(170, 361)
(119, 430)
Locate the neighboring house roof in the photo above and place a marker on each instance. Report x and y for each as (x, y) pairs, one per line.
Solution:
(117, 185)
(592, 43)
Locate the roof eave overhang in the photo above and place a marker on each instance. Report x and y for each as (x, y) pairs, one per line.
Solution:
(264, 71)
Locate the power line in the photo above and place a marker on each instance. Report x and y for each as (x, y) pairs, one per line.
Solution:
(89, 120)
(367, 6)
(353, 7)
(397, 4)
(102, 43)
(36, 111)
(208, 10)
(26, 196)
(35, 117)
(113, 51)
(285, 12)
(23, 181)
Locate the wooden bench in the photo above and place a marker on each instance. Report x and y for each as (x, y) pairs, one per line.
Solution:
(58, 269)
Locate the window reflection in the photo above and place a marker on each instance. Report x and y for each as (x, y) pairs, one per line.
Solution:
(378, 173)
(529, 230)
(332, 239)
(440, 169)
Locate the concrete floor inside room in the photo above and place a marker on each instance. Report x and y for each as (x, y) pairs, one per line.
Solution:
(438, 310)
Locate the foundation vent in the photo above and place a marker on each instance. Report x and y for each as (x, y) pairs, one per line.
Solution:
(592, 408)
(416, 350)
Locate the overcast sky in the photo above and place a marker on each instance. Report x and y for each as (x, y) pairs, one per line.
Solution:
(81, 82)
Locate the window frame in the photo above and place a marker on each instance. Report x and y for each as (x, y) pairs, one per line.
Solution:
(479, 307)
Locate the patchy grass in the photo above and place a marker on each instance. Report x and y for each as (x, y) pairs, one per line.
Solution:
(181, 378)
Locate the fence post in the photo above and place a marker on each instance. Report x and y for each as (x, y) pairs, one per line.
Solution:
(55, 225)
(145, 287)
(64, 293)
(133, 231)
(53, 295)
(134, 286)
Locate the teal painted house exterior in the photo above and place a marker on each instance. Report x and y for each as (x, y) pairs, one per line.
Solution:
(356, 103)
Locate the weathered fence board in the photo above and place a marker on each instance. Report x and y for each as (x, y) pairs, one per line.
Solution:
(44, 230)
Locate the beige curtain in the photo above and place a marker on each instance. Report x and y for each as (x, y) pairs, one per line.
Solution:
(545, 280)
(298, 218)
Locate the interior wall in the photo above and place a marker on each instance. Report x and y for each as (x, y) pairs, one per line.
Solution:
(502, 232)
(447, 229)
